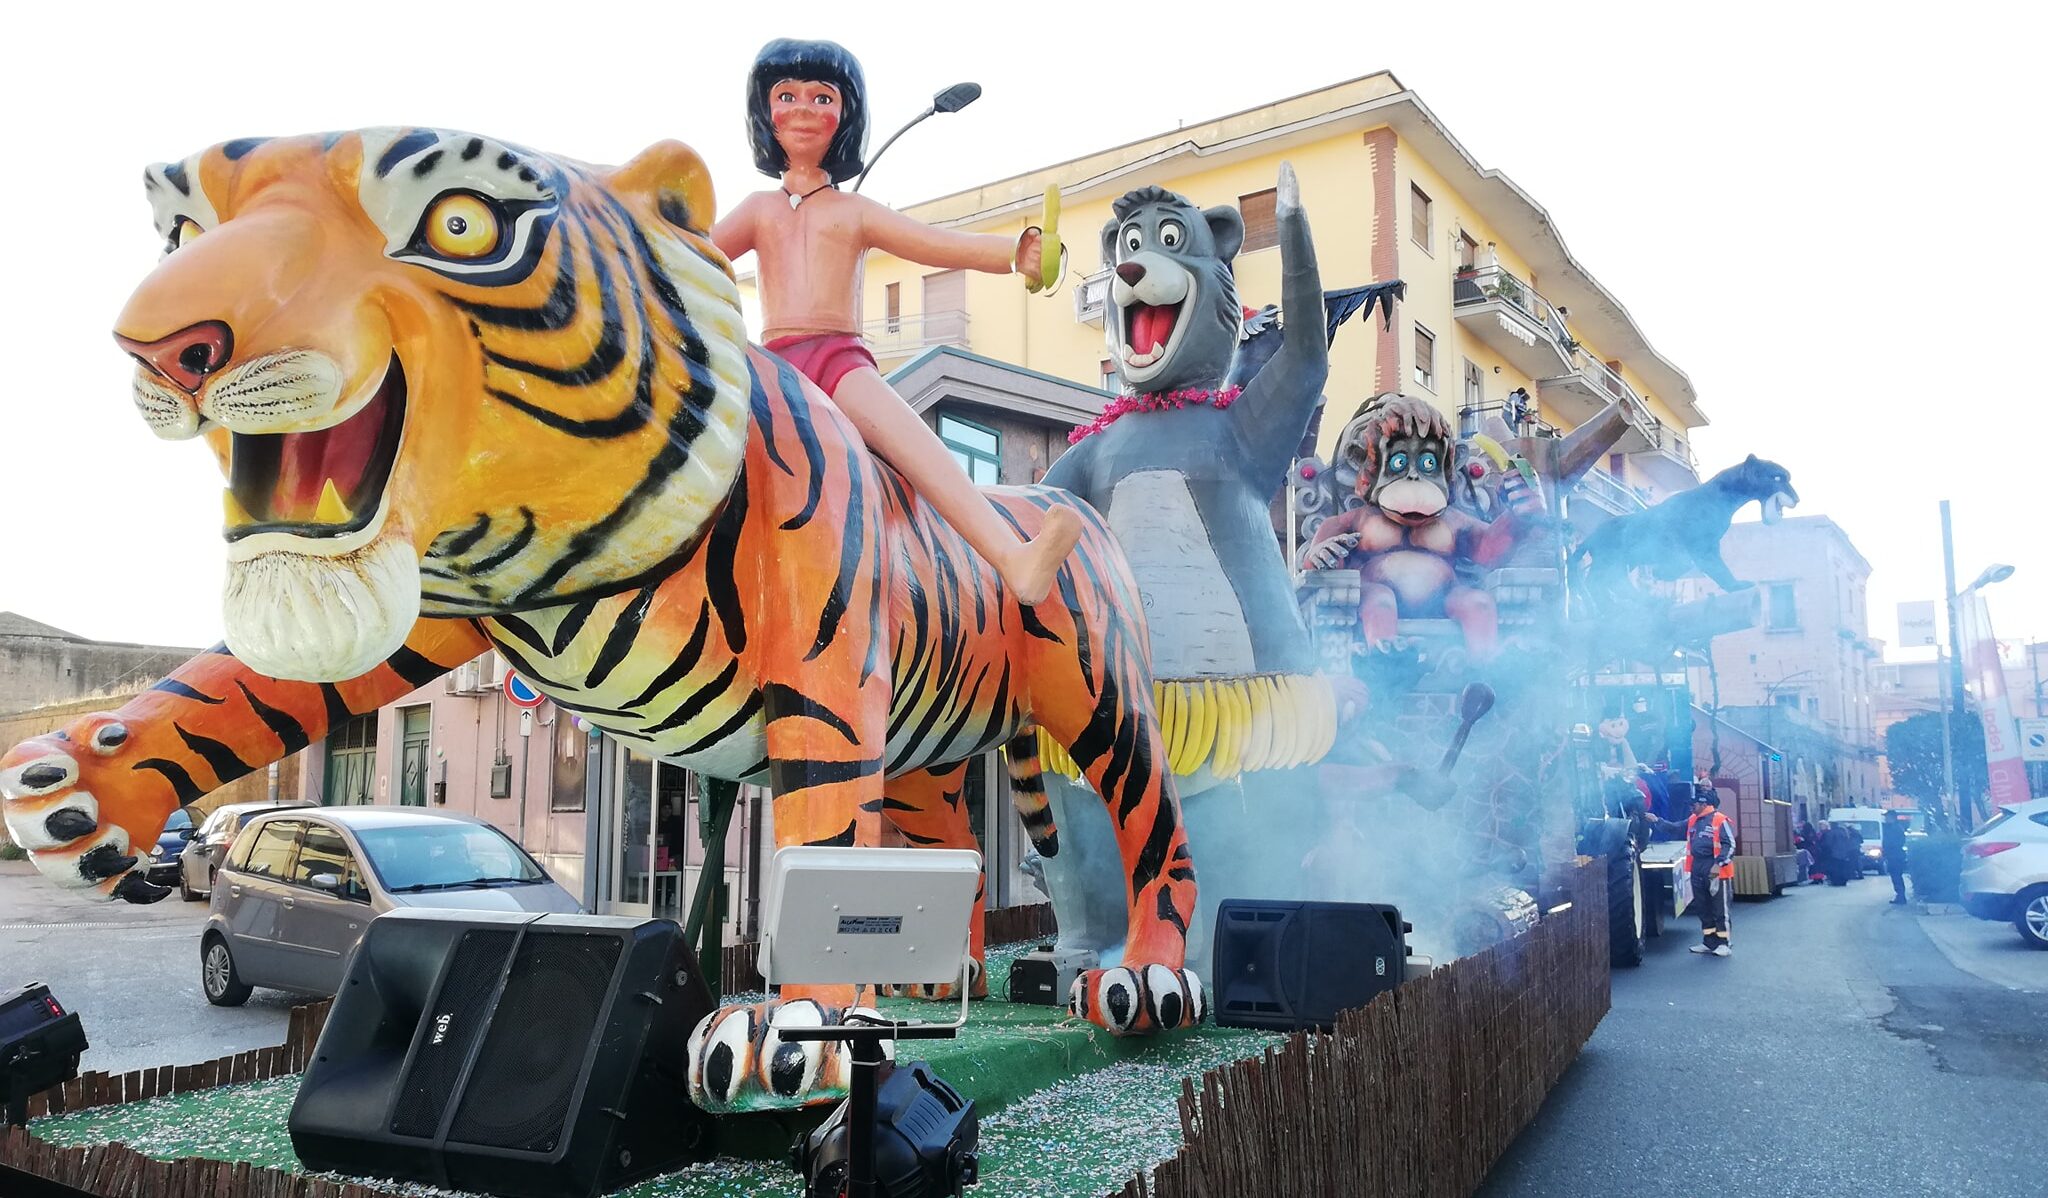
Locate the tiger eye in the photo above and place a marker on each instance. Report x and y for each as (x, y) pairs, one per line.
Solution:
(461, 226)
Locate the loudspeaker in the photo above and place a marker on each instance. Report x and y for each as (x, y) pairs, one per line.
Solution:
(530, 1056)
(1288, 966)
(40, 1043)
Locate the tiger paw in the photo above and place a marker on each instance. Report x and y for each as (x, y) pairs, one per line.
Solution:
(740, 1062)
(1129, 1000)
(51, 793)
(977, 987)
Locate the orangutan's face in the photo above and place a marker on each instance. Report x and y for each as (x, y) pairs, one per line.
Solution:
(806, 118)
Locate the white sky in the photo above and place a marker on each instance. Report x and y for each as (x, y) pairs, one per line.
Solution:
(1825, 220)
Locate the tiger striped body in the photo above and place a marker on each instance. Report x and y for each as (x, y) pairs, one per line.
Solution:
(467, 394)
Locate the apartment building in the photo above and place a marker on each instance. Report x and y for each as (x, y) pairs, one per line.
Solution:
(1499, 318)
(1801, 680)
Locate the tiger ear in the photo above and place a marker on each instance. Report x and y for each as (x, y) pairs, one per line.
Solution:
(673, 181)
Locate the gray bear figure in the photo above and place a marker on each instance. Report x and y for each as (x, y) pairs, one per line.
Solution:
(1185, 483)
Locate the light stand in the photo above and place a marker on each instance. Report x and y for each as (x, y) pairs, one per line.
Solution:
(953, 99)
(853, 915)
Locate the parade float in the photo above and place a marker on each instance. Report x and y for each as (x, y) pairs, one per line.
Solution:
(468, 395)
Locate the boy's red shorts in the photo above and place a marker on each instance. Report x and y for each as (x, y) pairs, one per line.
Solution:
(826, 358)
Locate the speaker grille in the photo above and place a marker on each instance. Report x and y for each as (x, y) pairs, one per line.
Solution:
(520, 1092)
(464, 1005)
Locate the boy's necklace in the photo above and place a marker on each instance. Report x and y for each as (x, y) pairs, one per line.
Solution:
(795, 199)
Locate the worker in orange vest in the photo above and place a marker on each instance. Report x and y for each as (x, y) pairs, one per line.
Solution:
(1710, 860)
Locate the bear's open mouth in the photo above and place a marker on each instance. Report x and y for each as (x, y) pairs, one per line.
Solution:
(1148, 329)
(324, 483)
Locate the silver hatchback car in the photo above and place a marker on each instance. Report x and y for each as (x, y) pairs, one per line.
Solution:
(300, 885)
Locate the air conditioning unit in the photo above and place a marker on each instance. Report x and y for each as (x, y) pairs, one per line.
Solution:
(1091, 298)
(496, 668)
(462, 679)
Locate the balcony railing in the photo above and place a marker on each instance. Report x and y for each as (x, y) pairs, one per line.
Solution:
(893, 337)
(1610, 493)
(1668, 442)
(1472, 419)
(1487, 284)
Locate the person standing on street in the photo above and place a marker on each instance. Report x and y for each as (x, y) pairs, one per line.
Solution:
(1710, 861)
(1893, 839)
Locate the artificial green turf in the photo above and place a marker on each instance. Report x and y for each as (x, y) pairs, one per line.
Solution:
(1066, 1109)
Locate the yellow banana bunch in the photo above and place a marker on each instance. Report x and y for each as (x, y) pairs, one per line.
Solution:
(1049, 248)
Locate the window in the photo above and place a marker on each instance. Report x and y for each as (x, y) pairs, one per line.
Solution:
(1781, 607)
(1475, 384)
(323, 851)
(978, 450)
(1261, 223)
(1419, 216)
(570, 778)
(892, 303)
(270, 851)
(1425, 358)
(1468, 251)
(1789, 700)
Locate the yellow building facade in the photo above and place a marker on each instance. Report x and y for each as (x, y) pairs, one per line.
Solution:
(1495, 304)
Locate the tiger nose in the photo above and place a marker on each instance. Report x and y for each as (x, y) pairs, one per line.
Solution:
(187, 356)
(1130, 272)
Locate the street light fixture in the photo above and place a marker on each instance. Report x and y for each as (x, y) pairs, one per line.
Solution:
(953, 99)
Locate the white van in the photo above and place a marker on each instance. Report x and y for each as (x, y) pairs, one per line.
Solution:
(1869, 822)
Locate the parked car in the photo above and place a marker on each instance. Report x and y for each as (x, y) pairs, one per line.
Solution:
(203, 854)
(2005, 870)
(299, 887)
(166, 859)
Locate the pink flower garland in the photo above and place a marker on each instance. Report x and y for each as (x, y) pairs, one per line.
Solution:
(1155, 401)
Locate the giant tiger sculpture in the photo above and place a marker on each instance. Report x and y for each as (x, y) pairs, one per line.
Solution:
(466, 396)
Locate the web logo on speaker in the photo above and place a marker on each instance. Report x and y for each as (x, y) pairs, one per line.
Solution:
(441, 1023)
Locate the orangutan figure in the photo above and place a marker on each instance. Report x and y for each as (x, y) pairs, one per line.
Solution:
(1405, 539)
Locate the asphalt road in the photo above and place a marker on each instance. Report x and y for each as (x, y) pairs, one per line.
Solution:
(131, 973)
(1848, 1047)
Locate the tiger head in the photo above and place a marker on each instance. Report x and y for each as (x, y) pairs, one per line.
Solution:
(443, 375)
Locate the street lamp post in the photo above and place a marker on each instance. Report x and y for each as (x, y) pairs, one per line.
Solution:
(1953, 676)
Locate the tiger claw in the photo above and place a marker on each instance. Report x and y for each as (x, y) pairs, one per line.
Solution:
(1128, 1001)
(740, 1062)
(135, 888)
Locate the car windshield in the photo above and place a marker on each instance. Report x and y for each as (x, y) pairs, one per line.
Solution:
(1868, 827)
(414, 857)
(180, 821)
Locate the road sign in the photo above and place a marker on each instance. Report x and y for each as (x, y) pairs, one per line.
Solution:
(2033, 740)
(521, 693)
(1916, 624)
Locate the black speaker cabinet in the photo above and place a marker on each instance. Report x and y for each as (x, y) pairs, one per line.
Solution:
(1294, 965)
(531, 1056)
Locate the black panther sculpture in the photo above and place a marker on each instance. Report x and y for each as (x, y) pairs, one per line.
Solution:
(1681, 534)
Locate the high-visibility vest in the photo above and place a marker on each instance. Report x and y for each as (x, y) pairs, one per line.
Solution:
(1718, 822)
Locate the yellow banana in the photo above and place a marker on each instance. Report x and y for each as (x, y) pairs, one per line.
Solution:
(1285, 729)
(1049, 248)
(1301, 720)
(1225, 756)
(1176, 726)
(1205, 726)
(1259, 735)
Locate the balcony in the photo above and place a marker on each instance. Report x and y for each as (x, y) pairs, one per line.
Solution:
(1091, 299)
(1589, 385)
(1608, 493)
(1668, 460)
(907, 336)
(1513, 320)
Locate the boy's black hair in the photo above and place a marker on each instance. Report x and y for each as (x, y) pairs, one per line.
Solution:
(811, 62)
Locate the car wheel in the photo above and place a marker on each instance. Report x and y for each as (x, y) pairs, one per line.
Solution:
(224, 987)
(185, 890)
(2031, 917)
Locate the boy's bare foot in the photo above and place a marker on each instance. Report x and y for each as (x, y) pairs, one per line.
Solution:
(1032, 568)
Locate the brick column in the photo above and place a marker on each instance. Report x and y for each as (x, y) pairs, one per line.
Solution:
(1386, 257)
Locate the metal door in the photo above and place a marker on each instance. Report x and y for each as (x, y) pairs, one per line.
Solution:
(416, 735)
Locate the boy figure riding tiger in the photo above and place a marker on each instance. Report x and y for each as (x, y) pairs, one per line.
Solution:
(468, 396)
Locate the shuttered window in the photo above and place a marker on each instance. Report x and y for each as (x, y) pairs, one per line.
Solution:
(1425, 358)
(1261, 225)
(1419, 216)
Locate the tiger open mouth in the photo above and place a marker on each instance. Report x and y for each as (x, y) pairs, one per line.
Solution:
(325, 483)
(1148, 331)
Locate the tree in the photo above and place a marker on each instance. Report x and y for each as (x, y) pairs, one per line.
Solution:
(1912, 749)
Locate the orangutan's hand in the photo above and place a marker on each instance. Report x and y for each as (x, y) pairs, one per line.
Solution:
(1328, 555)
(1524, 498)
